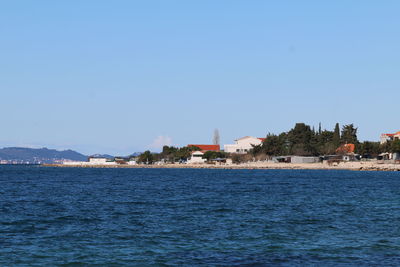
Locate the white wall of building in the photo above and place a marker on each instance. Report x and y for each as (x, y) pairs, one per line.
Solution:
(298, 159)
(92, 161)
(242, 145)
(99, 161)
(389, 137)
(196, 158)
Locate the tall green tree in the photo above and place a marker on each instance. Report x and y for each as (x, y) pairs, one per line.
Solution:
(146, 157)
(371, 149)
(336, 136)
(273, 145)
(326, 145)
(301, 140)
(349, 134)
(395, 146)
(209, 155)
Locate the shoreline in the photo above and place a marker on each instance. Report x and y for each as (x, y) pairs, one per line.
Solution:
(352, 166)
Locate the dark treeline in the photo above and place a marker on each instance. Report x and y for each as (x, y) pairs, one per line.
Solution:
(303, 140)
(171, 154)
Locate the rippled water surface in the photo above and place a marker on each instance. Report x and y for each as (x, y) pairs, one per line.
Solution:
(185, 217)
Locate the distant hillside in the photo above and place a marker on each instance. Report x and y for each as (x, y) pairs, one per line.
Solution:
(38, 155)
(102, 156)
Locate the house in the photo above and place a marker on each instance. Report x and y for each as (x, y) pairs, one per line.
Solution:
(389, 156)
(385, 156)
(351, 157)
(132, 160)
(196, 158)
(206, 148)
(346, 149)
(243, 145)
(98, 160)
(390, 137)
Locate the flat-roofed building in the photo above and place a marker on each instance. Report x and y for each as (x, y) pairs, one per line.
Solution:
(196, 158)
(243, 145)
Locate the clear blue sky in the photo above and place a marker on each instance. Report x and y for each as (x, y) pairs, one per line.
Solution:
(123, 76)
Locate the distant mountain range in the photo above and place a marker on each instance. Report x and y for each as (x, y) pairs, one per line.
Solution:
(24, 155)
(102, 156)
(38, 155)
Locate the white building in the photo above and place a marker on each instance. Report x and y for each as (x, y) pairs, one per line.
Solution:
(243, 145)
(389, 137)
(92, 161)
(132, 162)
(196, 158)
(97, 161)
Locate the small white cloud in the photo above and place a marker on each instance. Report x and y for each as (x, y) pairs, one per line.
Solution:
(161, 141)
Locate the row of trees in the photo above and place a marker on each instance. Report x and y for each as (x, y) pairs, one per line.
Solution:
(168, 154)
(302, 140)
(375, 148)
(305, 141)
(173, 154)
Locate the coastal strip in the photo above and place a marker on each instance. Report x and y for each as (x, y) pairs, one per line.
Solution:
(354, 166)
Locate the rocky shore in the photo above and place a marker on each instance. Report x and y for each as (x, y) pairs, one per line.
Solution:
(354, 166)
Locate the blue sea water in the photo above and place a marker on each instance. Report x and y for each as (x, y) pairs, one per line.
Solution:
(193, 217)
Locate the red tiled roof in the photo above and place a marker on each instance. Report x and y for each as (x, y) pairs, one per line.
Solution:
(262, 139)
(207, 147)
(346, 148)
(392, 134)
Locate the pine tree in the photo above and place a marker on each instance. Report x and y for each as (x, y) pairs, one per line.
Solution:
(349, 134)
(336, 135)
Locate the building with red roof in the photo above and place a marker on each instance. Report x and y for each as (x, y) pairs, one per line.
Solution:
(346, 149)
(206, 148)
(390, 137)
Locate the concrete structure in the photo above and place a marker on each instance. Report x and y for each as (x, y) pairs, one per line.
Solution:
(299, 159)
(389, 156)
(390, 137)
(243, 145)
(97, 161)
(351, 157)
(296, 159)
(196, 158)
(132, 162)
(92, 161)
(87, 163)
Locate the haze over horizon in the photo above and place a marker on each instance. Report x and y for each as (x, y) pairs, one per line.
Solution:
(121, 77)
